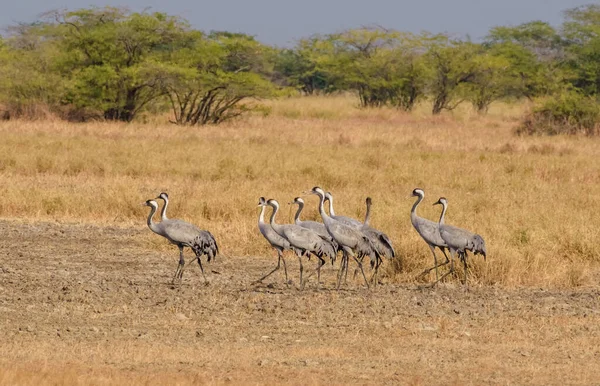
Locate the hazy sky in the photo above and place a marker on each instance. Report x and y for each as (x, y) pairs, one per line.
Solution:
(282, 21)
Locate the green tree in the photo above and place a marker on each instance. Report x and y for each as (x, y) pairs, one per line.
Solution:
(451, 65)
(299, 67)
(383, 67)
(536, 54)
(28, 79)
(582, 31)
(112, 57)
(538, 37)
(204, 85)
(490, 82)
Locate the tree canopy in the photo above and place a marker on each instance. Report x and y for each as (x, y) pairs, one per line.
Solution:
(114, 64)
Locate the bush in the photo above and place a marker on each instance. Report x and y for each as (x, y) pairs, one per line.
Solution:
(567, 113)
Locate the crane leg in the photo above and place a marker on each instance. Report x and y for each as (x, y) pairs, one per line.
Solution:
(346, 263)
(320, 263)
(355, 271)
(361, 270)
(301, 270)
(280, 254)
(279, 260)
(202, 270)
(375, 278)
(464, 259)
(341, 270)
(447, 273)
(179, 271)
(436, 264)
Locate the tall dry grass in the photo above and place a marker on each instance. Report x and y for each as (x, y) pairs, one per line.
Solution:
(535, 200)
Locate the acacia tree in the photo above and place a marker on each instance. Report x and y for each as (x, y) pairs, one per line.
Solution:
(381, 66)
(491, 79)
(451, 65)
(28, 76)
(299, 67)
(361, 61)
(536, 55)
(204, 85)
(112, 57)
(582, 32)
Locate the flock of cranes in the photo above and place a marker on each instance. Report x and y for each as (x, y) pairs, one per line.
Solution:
(354, 239)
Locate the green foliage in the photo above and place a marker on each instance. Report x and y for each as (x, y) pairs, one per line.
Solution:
(490, 80)
(299, 68)
(451, 64)
(111, 55)
(582, 30)
(569, 112)
(114, 64)
(383, 67)
(537, 37)
(536, 53)
(27, 79)
(210, 81)
(111, 63)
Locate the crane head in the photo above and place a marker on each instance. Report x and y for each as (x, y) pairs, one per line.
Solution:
(297, 200)
(369, 201)
(262, 201)
(150, 203)
(418, 192)
(273, 203)
(441, 201)
(316, 190)
(162, 196)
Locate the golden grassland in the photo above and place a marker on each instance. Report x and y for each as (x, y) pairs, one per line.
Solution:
(535, 200)
(84, 297)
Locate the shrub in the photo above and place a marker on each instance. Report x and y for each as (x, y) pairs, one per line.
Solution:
(566, 113)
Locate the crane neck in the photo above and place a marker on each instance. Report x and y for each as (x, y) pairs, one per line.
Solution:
(150, 221)
(274, 225)
(261, 216)
(322, 207)
(163, 212)
(331, 211)
(297, 216)
(444, 208)
(368, 214)
(413, 211)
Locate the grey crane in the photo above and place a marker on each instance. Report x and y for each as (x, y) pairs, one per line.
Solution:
(303, 241)
(429, 231)
(279, 243)
(184, 234)
(317, 227)
(163, 212)
(459, 240)
(353, 242)
(380, 241)
(343, 219)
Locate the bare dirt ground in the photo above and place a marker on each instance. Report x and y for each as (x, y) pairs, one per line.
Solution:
(82, 304)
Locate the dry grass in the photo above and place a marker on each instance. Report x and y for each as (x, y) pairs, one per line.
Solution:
(535, 200)
(83, 297)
